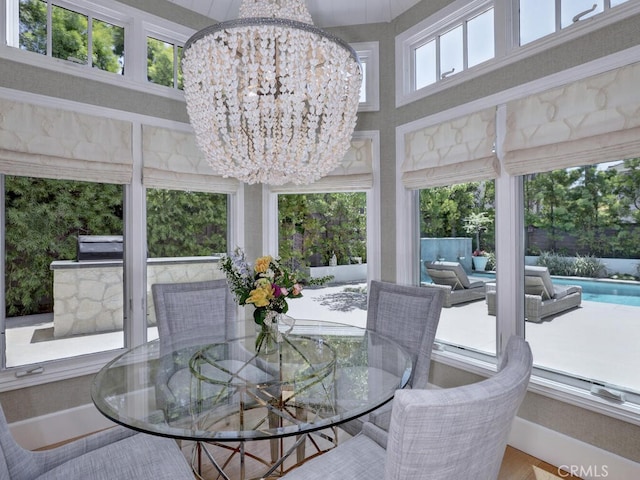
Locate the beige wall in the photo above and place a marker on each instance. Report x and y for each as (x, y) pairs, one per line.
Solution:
(602, 431)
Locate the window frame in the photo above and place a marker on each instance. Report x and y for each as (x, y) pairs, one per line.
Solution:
(509, 245)
(135, 282)
(507, 48)
(368, 53)
(431, 28)
(137, 24)
(270, 212)
(607, 8)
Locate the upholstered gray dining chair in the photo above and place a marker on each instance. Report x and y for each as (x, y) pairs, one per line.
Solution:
(410, 316)
(116, 453)
(190, 316)
(194, 310)
(435, 434)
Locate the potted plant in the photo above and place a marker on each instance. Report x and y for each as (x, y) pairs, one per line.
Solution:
(475, 224)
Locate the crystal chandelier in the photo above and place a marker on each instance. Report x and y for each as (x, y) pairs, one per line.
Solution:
(272, 98)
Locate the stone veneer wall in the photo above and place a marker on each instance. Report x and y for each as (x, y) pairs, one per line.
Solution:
(88, 295)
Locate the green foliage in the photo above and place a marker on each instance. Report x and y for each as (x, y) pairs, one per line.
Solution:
(33, 26)
(181, 224)
(43, 219)
(159, 62)
(318, 225)
(557, 264)
(70, 36)
(444, 211)
(547, 202)
(579, 266)
(588, 266)
(593, 210)
(476, 223)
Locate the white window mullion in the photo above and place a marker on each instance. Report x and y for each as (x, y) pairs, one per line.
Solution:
(506, 26)
(135, 306)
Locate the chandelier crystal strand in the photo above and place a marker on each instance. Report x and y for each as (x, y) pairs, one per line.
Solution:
(271, 98)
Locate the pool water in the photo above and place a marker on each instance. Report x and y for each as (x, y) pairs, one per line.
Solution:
(606, 291)
(603, 291)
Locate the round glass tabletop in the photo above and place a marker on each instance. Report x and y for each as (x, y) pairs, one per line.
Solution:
(320, 374)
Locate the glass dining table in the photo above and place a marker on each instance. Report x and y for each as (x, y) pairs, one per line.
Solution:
(225, 393)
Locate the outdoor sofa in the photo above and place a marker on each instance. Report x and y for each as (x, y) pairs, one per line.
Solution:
(542, 297)
(451, 277)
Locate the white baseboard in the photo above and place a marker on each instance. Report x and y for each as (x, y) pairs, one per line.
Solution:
(57, 427)
(581, 459)
(576, 457)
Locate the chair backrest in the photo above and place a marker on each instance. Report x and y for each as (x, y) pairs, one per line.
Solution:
(409, 315)
(448, 273)
(458, 432)
(186, 311)
(537, 281)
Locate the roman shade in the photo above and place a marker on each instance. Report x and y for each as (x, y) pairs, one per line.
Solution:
(354, 173)
(593, 120)
(45, 142)
(172, 160)
(455, 151)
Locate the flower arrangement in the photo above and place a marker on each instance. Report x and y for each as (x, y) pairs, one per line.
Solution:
(267, 286)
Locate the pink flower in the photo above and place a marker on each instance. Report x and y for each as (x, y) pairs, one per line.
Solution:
(297, 289)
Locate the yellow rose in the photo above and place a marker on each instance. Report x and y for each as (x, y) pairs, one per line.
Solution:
(262, 264)
(261, 296)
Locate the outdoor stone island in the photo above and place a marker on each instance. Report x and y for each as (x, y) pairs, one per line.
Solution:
(88, 295)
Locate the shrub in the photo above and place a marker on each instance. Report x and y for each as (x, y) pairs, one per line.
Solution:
(588, 266)
(580, 266)
(557, 264)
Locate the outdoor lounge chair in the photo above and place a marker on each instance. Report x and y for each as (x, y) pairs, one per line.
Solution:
(451, 277)
(542, 298)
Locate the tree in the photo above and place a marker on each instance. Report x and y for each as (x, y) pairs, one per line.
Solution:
(442, 209)
(476, 223)
(159, 62)
(547, 198)
(70, 36)
(314, 226)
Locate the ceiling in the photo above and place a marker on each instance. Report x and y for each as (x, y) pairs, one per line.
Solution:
(325, 13)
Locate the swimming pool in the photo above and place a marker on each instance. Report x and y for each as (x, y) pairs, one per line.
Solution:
(596, 290)
(605, 291)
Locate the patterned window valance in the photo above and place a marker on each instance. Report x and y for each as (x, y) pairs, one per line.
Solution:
(593, 120)
(53, 143)
(459, 150)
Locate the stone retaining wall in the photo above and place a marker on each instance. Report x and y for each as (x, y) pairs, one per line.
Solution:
(88, 296)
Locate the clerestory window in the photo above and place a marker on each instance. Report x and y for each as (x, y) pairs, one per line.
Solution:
(72, 35)
(539, 18)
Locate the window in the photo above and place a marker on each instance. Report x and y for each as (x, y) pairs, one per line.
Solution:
(58, 32)
(467, 39)
(370, 91)
(582, 226)
(457, 229)
(325, 234)
(59, 303)
(539, 18)
(163, 63)
(452, 49)
(186, 233)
